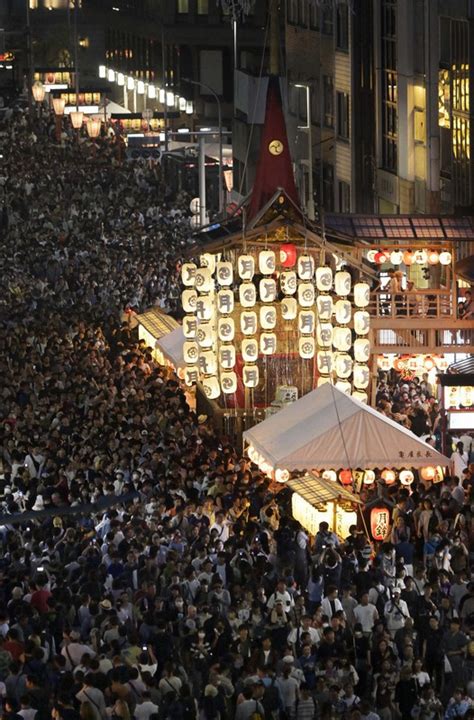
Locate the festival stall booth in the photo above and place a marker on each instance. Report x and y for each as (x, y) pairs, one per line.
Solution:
(341, 441)
(457, 399)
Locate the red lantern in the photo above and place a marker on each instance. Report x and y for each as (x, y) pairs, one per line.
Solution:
(380, 258)
(288, 255)
(389, 476)
(408, 257)
(379, 522)
(345, 476)
(428, 473)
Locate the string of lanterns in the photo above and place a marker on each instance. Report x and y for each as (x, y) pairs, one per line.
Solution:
(412, 363)
(409, 257)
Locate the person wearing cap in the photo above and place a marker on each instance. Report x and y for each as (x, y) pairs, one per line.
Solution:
(396, 612)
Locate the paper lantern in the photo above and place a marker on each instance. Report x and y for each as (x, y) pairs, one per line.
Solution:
(191, 375)
(453, 397)
(408, 257)
(203, 280)
(247, 294)
(211, 387)
(379, 522)
(248, 323)
(342, 338)
(188, 300)
(445, 258)
(324, 306)
(226, 329)
(288, 282)
(381, 257)
(189, 327)
(250, 376)
(406, 477)
(77, 118)
(306, 294)
(429, 363)
(369, 477)
(324, 361)
(205, 335)
(420, 257)
(246, 267)
(289, 308)
(427, 473)
(361, 377)
(389, 476)
(361, 322)
(323, 380)
(58, 105)
(466, 396)
(413, 363)
(305, 267)
(385, 363)
(324, 334)
(439, 474)
(344, 386)
(324, 279)
(268, 317)
(204, 307)
(306, 322)
(207, 362)
(361, 294)
(361, 350)
(208, 260)
(343, 310)
(371, 255)
(188, 274)
(288, 255)
(345, 476)
(224, 273)
(228, 382)
(306, 347)
(266, 262)
(396, 257)
(227, 356)
(342, 283)
(268, 343)
(330, 475)
(190, 352)
(225, 302)
(441, 363)
(282, 476)
(267, 290)
(343, 365)
(360, 396)
(249, 350)
(433, 257)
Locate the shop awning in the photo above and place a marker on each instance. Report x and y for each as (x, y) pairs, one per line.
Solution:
(171, 345)
(315, 490)
(157, 322)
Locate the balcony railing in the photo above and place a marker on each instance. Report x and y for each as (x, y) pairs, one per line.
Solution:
(430, 304)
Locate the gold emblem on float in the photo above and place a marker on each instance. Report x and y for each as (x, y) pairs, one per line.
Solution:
(275, 147)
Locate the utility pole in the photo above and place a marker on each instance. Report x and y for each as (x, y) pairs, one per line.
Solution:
(29, 58)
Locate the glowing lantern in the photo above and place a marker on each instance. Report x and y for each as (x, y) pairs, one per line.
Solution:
(324, 334)
(342, 283)
(224, 273)
(428, 473)
(250, 376)
(360, 396)
(439, 474)
(369, 477)
(413, 363)
(361, 322)
(306, 294)
(203, 280)
(361, 294)
(324, 279)
(188, 274)
(289, 308)
(330, 475)
(268, 290)
(371, 255)
(204, 307)
(248, 323)
(249, 350)
(58, 106)
(385, 363)
(76, 119)
(211, 388)
(345, 476)
(420, 257)
(190, 352)
(208, 260)
(288, 255)
(306, 347)
(288, 282)
(225, 302)
(306, 322)
(343, 365)
(323, 380)
(361, 376)
(380, 258)
(343, 310)
(389, 476)
(282, 476)
(396, 257)
(466, 396)
(406, 477)
(324, 362)
(268, 343)
(189, 327)
(268, 317)
(342, 339)
(305, 267)
(247, 294)
(429, 363)
(408, 257)
(228, 382)
(227, 356)
(191, 375)
(208, 362)
(361, 350)
(266, 262)
(433, 257)
(400, 364)
(379, 522)
(205, 335)
(188, 300)
(226, 329)
(445, 258)
(246, 267)
(441, 363)
(324, 306)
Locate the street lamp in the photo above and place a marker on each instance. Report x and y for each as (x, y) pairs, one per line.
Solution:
(76, 119)
(307, 127)
(93, 128)
(58, 106)
(219, 122)
(38, 91)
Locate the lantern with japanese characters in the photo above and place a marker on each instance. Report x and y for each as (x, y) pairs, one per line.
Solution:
(379, 523)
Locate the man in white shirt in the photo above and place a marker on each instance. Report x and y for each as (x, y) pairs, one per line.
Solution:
(282, 595)
(74, 650)
(331, 604)
(396, 612)
(221, 526)
(294, 637)
(459, 461)
(145, 708)
(366, 614)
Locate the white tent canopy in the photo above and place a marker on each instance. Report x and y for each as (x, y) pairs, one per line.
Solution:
(327, 429)
(171, 345)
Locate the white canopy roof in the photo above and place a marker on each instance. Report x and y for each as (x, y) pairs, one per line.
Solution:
(171, 345)
(327, 429)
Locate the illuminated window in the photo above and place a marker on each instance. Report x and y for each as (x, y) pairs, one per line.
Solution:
(182, 7)
(444, 99)
(203, 7)
(389, 85)
(33, 4)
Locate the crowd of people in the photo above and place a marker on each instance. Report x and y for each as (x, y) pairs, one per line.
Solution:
(148, 570)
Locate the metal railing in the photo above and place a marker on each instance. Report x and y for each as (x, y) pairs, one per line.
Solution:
(414, 304)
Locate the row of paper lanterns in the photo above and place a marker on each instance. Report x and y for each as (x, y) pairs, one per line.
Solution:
(153, 92)
(414, 363)
(388, 475)
(408, 257)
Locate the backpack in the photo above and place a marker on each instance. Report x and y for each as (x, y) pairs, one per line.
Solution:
(256, 715)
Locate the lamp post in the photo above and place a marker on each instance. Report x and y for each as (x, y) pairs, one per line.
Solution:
(219, 122)
(58, 107)
(307, 127)
(38, 93)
